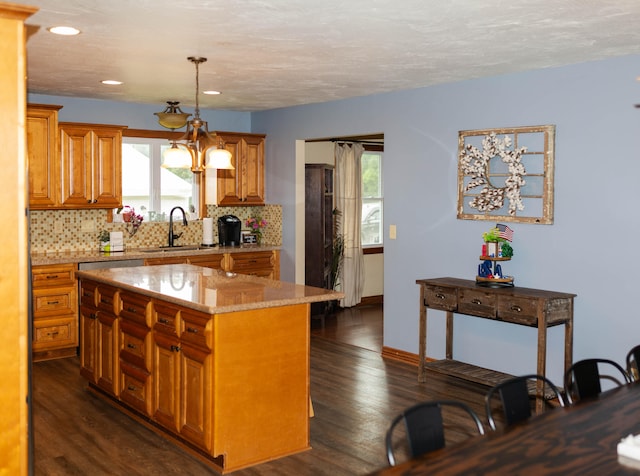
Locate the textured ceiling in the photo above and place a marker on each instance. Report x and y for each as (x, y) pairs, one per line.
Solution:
(265, 54)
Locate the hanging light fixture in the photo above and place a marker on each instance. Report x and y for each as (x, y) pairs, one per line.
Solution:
(197, 149)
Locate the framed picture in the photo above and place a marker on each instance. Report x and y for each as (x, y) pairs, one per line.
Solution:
(248, 238)
(506, 174)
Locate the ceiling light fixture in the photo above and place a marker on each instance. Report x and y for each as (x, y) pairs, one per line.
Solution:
(197, 149)
(111, 82)
(64, 30)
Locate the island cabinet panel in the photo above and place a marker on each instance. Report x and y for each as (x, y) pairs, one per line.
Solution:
(55, 311)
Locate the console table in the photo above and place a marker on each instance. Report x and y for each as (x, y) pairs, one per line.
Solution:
(523, 306)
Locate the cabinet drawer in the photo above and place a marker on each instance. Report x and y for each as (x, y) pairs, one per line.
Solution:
(165, 318)
(251, 261)
(54, 333)
(194, 328)
(518, 310)
(135, 344)
(445, 299)
(89, 293)
(208, 261)
(136, 308)
(54, 301)
(107, 298)
(53, 276)
(135, 387)
(477, 303)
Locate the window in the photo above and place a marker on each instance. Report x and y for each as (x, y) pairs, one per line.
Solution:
(151, 189)
(371, 230)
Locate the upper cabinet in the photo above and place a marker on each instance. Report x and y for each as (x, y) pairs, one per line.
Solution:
(43, 155)
(91, 160)
(243, 185)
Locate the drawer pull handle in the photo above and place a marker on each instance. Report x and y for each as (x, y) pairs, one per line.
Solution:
(105, 300)
(93, 315)
(87, 294)
(175, 348)
(52, 276)
(51, 303)
(131, 388)
(192, 330)
(476, 301)
(163, 320)
(131, 309)
(516, 308)
(131, 346)
(53, 334)
(441, 296)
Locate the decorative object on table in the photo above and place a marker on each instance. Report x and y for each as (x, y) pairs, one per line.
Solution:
(495, 248)
(104, 240)
(493, 181)
(131, 219)
(255, 225)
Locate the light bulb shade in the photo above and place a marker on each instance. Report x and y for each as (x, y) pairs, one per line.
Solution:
(218, 159)
(176, 158)
(172, 117)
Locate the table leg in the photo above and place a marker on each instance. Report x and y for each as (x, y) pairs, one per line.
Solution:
(568, 340)
(542, 356)
(422, 344)
(449, 342)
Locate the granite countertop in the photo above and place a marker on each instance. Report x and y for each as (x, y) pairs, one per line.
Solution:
(89, 256)
(208, 290)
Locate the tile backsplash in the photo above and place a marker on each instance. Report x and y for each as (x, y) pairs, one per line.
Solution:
(64, 230)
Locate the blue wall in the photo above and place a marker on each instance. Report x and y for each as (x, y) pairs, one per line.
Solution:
(590, 250)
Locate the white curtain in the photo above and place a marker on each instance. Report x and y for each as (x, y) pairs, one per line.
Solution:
(348, 190)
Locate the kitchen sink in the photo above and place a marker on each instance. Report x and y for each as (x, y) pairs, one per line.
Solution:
(168, 249)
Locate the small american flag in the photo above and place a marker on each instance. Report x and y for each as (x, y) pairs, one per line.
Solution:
(505, 232)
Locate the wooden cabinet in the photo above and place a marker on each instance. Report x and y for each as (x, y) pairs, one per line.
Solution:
(318, 228)
(135, 351)
(43, 155)
(265, 264)
(91, 163)
(99, 335)
(55, 311)
(243, 185)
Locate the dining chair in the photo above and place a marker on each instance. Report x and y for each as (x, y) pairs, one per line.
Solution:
(516, 398)
(583, 379)
(633, 364)
(424, 426)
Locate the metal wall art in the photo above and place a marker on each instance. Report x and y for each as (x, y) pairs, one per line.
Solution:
(506, 174)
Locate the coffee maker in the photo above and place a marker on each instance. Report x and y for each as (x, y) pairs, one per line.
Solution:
(229, 230)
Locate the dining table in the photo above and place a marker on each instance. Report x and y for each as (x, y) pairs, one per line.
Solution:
(577, 439)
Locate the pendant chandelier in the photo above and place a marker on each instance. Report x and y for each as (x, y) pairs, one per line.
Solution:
(197, 149)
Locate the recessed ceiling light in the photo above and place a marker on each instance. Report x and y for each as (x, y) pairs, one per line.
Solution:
(64, 30)
(211, 92)
(111, 82)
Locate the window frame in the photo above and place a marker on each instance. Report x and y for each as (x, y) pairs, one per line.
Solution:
(375, 247)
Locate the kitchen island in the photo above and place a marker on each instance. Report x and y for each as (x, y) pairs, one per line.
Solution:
(217, 362)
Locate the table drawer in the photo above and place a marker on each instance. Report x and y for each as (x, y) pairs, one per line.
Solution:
(54, 301)
(107, 298)
(52, 333)
(136, 308)
(445, 299)
(54, 275)
(477, 303)
(194, 328)
(518, 310)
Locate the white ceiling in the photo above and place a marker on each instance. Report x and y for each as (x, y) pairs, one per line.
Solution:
(265, 54)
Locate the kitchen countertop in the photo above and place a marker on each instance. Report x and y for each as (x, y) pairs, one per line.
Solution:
(88, 256)
(208, 290)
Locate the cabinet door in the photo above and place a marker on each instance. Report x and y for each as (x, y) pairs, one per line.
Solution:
(43, 156)
(107, 168)
(166, 378)
(253, 170)
(243, 185)
(76, 149)
(107, 358)
(88, 342)
(229, 186)
(196, 395)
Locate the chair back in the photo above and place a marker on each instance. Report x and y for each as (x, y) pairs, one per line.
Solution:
(424, 426)
(516, 399)
(633, 364)
(583, 379)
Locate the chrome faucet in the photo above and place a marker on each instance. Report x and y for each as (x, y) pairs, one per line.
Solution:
(184, 222)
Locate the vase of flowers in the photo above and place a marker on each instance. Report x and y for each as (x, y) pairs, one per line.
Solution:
(256, 224)
(131, 219)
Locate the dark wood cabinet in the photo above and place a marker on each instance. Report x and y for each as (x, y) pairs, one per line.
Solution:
(318, 228)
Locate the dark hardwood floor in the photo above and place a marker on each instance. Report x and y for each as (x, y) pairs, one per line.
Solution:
(355, 395)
